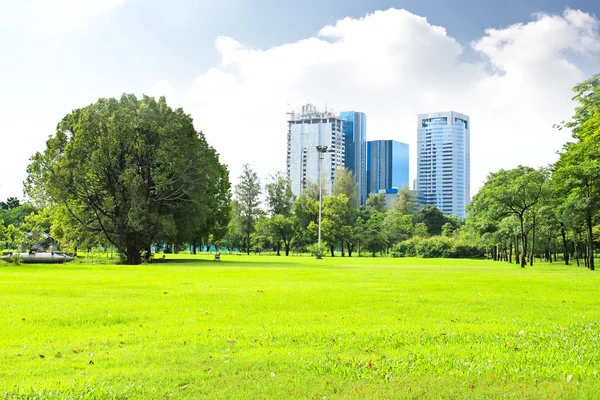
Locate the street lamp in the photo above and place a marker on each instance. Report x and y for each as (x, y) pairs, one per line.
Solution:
(322, 150)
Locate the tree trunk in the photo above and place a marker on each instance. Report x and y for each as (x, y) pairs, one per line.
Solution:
(332, 251)
(523, 244)
(148, 253)
(349, 249)
(133, 255)
(278, 248)
(565, 248)
(343, 253)
(532, 243)
(575, 249)
(517, 254)
(510, 250)
(590, 242)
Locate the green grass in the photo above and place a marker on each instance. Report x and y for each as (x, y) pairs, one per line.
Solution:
(277, 327)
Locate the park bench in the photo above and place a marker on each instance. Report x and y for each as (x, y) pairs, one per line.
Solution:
(217, 256)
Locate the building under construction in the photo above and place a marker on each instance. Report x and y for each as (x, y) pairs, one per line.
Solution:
(307, 130)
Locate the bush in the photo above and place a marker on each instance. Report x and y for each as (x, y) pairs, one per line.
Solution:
(436, 247)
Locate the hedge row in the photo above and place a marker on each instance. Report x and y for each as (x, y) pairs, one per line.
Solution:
(437, 247)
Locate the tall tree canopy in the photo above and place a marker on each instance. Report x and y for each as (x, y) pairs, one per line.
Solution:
(344, 184)
(247, 193)
(135, 171)
(514, 192)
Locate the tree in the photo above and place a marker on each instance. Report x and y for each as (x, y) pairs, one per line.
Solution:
(10, 203)
(578, 173)
(262, 236)
(234, 236)
(578, 169)
(375, 236)
(398, 226)
(134, 170)
(280, 199)
(280, 202)
(432, 217)
(587, 95)
(344, 183)
(406, 203)
(420, 230)
(306, 212)
(512, 192)
(336, 216)
(248, 192)
(453, 223)
(15, 214)
(376, 202)
(283, 231)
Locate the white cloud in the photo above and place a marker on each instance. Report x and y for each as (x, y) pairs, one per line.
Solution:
(392, 65)
(52, 15)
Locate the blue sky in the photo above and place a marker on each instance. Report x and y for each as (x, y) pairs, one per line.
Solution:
(63, 54)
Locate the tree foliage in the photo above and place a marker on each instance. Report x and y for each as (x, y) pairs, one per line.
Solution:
(133, 170)
(247, 192)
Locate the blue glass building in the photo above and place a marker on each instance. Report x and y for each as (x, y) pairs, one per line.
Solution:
(444, 165)
(387, 165)
(355, 134)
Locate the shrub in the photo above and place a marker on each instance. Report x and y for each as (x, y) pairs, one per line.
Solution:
(437, 247)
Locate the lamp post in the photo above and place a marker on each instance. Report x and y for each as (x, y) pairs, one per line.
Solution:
(321, 150)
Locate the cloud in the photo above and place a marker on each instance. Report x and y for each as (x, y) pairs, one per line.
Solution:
(54, 16)
(392, 65)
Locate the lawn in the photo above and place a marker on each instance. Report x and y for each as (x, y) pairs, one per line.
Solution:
(279, 327)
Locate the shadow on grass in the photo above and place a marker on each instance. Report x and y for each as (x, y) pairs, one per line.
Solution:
(231, 261)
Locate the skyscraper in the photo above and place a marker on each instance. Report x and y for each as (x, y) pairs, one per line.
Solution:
(307, 130)
(355, 134)
(443, 161)
(387, 165)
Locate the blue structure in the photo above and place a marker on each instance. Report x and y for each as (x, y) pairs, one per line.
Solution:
(443, 168)
(355, 134)
(387, 165)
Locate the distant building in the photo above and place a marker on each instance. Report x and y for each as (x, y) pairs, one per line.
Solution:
(387, 165)
(391, 195)
(443, 161)
(307, 130)
(355, 133)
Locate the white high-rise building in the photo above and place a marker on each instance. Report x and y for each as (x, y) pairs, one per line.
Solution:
(306, 131)
(444, 162)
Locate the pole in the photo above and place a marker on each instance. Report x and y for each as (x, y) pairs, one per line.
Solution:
(321, 150)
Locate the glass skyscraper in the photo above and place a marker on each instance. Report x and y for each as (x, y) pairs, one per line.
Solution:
(355, 134)
(387, 165)
(443, 161)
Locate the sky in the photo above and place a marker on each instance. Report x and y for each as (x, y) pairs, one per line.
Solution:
(238, 66)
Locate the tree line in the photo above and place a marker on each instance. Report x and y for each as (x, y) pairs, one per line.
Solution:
(269, 217)
(552, 209)
(134, 174)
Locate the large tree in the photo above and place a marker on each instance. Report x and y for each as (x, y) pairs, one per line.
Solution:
(133, 170)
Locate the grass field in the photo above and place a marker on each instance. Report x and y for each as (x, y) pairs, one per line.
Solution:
(277, 327)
